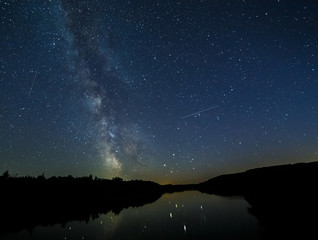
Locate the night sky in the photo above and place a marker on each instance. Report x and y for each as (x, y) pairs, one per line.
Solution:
(170, 91)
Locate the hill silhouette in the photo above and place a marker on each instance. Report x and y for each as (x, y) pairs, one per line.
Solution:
(281, 179)
(283, 198)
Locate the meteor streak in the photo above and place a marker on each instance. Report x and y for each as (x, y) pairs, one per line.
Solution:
(36, 73)
(198, 112)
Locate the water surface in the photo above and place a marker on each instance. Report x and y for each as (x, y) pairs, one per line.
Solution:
(186, 215)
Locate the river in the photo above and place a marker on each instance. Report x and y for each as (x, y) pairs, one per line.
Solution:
(185, 215)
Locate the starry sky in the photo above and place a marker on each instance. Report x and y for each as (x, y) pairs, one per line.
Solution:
(164, 90)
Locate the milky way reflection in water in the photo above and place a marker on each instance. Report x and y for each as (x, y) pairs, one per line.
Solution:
(187, 215)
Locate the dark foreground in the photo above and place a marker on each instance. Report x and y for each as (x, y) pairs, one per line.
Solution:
(283, 198)
(27, 202)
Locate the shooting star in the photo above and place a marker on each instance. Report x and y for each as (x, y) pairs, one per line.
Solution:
(198, 112)
(36, 73)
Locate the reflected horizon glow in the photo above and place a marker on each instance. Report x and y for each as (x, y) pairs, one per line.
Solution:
(186, 215)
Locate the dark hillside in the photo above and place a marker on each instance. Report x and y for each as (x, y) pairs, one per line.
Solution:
(283, 198)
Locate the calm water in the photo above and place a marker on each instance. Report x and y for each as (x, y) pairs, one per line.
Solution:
(187, 215)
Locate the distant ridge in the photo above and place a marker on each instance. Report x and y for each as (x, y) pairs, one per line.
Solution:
(283, 198)
(280, 179)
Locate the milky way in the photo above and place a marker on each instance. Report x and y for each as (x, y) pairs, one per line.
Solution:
(106, 94)
(128, 88)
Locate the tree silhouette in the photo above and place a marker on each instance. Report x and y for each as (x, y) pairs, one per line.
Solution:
(117, 179)
(6, 175)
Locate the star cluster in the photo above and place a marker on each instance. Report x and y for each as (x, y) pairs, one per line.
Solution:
(172, 91)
